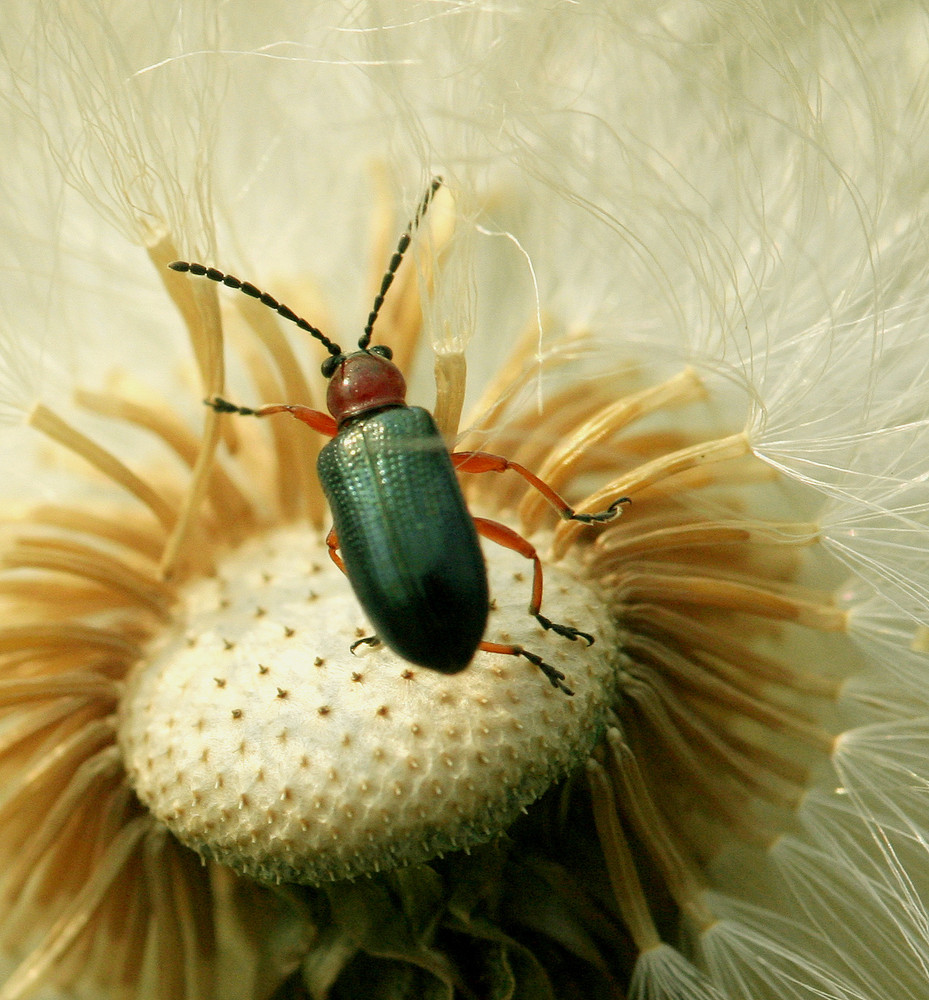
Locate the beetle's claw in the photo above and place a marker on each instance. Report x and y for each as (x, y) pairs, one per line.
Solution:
(555, 676)
(610, 514)
(568, 631)
(368, 640)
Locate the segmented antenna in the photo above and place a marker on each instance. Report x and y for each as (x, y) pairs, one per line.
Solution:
(388, 278)
(247, 288)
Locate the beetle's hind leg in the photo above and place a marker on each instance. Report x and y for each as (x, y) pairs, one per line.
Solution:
(555, 676)
(510, 539)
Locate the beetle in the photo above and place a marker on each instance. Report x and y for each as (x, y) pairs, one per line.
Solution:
(402, 532)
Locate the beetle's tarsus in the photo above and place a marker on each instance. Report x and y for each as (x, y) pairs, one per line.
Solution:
(610, 514)
(568, 631)
(555, 676)
(368, 640)
(224, 406)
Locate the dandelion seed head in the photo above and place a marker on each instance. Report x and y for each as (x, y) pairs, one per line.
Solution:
(365, 763)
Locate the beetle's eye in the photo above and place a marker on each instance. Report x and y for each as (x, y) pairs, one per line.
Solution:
(329, 366)
(383, 351)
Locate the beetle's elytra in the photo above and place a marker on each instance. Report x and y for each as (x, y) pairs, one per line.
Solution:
(402, 532)
(430, 605)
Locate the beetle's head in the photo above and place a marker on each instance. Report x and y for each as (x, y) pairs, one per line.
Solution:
(365, 380)
(362, 382)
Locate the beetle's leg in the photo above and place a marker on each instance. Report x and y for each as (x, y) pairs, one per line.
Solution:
(316, 419)
(368, 640)
(482, 461)
(510, 539)
(332, 544)
(555, 676)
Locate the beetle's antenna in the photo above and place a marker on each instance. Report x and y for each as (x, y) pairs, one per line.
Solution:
(247, 288)
(388, 278)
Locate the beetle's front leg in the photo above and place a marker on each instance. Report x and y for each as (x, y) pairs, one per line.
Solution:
(316, 419)
(482, 461)
(511, 539)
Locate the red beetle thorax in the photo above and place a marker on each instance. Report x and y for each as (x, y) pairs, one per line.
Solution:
(363, 382)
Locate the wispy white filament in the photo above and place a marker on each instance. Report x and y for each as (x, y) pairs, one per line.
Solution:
(739, 187)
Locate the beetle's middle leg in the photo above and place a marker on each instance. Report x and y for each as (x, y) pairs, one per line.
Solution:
(482, 461)
(332, 544)
(511, 539)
